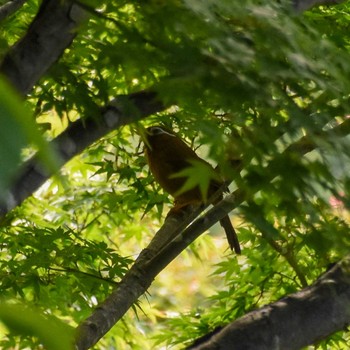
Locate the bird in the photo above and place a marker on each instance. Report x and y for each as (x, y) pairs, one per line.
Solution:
(167, 155)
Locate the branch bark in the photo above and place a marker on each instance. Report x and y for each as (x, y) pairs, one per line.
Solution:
(9, 8)
(123, 110)
(303, 5)
(52, 30)
(50, 33)
(168, 243)
(293, 322)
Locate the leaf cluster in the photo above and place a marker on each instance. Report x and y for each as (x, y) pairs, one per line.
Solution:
(254, 90)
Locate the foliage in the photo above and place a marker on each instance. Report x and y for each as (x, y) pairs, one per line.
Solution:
(17, 131)
(248, 80)
(52, 333)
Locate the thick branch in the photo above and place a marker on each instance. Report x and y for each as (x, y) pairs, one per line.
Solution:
(10, 7)
(51, 31)
(303, 5)
(151, 261)
(156, 257)
(81, 134)
(293, 322)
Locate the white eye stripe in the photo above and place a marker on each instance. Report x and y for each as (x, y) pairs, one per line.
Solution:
(156, 130)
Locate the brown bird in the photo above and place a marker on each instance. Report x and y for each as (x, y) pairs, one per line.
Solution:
(167, 155)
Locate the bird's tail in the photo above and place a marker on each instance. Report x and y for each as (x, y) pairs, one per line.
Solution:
(230, 234)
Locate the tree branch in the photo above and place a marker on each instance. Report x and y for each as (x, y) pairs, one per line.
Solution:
(161, 252)
(152, 260)
(293, 322)
(51, 31)
(10, 7)
(303, 5)
(123, 110)
(286, 252)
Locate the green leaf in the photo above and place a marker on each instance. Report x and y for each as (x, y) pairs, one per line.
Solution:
(198, 174)
(50, 331)
(17, 131)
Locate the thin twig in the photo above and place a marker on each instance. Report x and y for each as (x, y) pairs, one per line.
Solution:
(87, 274)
